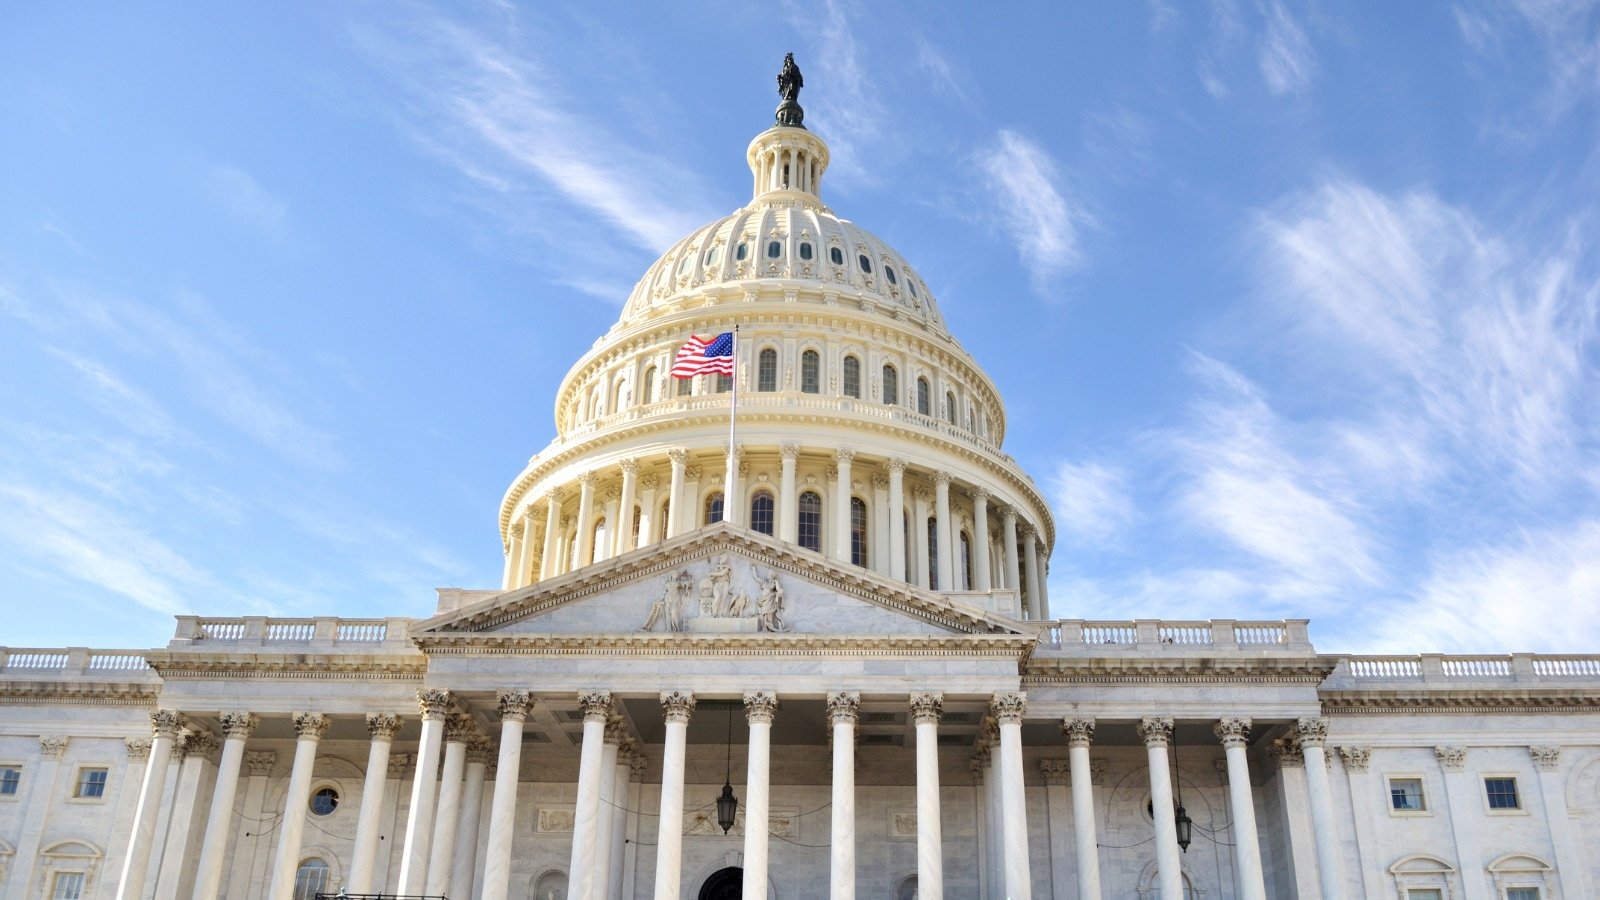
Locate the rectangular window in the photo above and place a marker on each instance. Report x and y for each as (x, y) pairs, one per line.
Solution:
(10, 780)
(1405, 795)
(1424, 894)
(685, 386)
(724, 383)
(1502, 793)
(68, 886)
(1522, 893)
(91, 783)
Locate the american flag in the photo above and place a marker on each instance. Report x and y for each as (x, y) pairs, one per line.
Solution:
(705, 355)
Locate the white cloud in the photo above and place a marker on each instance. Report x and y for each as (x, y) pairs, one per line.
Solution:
(1089, 500)
(1034, 213)
(243, 199)
(841, 92)
(1285, 56)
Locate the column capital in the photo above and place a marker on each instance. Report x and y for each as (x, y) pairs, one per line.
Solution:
(1311, 731)
(596, 705)
(843, 456)
(1079, 732)
(616, 732)
(480, 750)
(517, 529)
(895, 465)
(382, 726)
(1056, 771)
(514, 705)
(1009, 707)
(1356, 758)
(844, 707)
(649, 482)
(138, 748)
(1155, 731)
(459, 728)
(677, 706)
(587, 479)
(399, 763)
(1232, 732)
(636, 766)
(310, 725)
(789, 450)
(759, 706)
(692, 473)
(879, 480)
(927, 707)
(434, 703)
(554, 496)
(166, 723)
(200, 744)
(1286, 753)
(980, 497)
(941, 478)
(679, 456)
(1025, 530)
(629, 465)
(1008, 514)
(1546, 758)
(52, 746)
(1453, 759)
(259, 763)
(975, 765)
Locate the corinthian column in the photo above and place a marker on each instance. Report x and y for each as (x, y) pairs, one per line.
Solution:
(586, 552)
(841, 506)
(842, 712)
(947, 541)
(308, 729)
(550, 565)
(236, 729)
(435, 706)
(165, 725)
(609, 807)
(1036, 606)
(514, 709)
(1079, 733)
(1312, 734)
(897, 520)
(585, 828)
(925, 711)
(1235, 737)
(622, 529)
(463, 867)
(788, 501)
(1157, 734)
(733, 488)
(1008, 537)
(679, 458)
(458, 730)
(1008, 711)
(759, 707)
(382, 727)
(980, 539)
(676, 706)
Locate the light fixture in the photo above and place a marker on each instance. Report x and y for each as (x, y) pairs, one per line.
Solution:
(1181, 822)
(728, 804)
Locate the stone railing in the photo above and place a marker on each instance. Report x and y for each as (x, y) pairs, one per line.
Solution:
(58, 661)
(1440, 668)
(255, 631)
(1156, 634)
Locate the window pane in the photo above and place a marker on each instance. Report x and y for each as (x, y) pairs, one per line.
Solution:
(1424, 894)
(311, 877)
(950, 408)
(761, 513)
(923, 400)
(1405, 794)
(888, 272)
(10, 779)
(837, 255)
(325, 801)
(714, 508)
(1522, 893)
(1502, 793)
(810, 372)
(724, 383)
(811, 521)
(68, 886)
(852, 377)
(767, 370)
(685, 386)
(740, 252)
(774, 249)
(647, 393)
(805, 251)
(933, 553)
(91, 783)
(966, 562)
(866, 264)
(891, 386)
(858, 531)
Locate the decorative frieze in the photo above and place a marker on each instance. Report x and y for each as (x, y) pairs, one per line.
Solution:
(677, 706)
(1452, 759)
(382, 726)
(1078, 732)
(759, 706)
(1233, 732)
(259, 763)
(1009, 708)
(1356, 759)
(1155, 731)
(844, 707)
(927, 707)
(1546, 758)
(238, 726)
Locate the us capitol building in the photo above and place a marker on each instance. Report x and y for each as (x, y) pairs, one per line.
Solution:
(816, 663)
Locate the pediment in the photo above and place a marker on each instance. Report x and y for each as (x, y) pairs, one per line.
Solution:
(720, 580)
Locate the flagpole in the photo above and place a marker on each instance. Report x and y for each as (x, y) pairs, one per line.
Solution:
(728, 500)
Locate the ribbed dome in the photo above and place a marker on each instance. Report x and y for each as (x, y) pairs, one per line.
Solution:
(786, 233)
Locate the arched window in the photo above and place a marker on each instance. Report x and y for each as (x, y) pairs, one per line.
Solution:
(550, 886)
(761, 513)
(836, 255)
(907, 890)
(805, 251)
(711, 256)
(638, 520)
(866, 264)
(619, 399)
(774, 249)
(891, 386)
(888, 272)
(661, 523)
(852, 377)
(724, 383)
(950, 407)
(858, 531)
(310, 878)
(811, 521)
(741, 251)
(685, 386)
(966, 562)
(811, 372)
(924, 402)
(648, 392)
(714, 508)
(767, 370)
(933, 553)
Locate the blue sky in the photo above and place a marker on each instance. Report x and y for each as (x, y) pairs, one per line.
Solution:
(1293, 306)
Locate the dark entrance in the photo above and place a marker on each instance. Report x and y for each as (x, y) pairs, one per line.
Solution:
(724, 884)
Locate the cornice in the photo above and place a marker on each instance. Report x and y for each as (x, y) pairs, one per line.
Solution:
(35, 693)
(766, 646)
(1508, 701)
(1151, 669)
(188, 665)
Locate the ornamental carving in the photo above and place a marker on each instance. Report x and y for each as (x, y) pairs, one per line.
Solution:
(630, 466)
(1356, 759)
(789, 450)
(434, 703)
(310, 725)
(692, 473)
(649, 482)
(844, 707)
(1311, 731)
(980, 498)
(636, 766)
(52, 746)
(759, 707)
(896, 465)
(1009, 708)
(1233, 732)
(1056, 771)
(480, 750)
(844, 456)
(199, 744)
(1078, 732)
(679, 456)
(941, 477)
(1453, 759)
(138, 748)
(677, 706)
(1155, 731)
(596, 705)
(1097, 771)
(259, 763)
(166, 723)
(1546, 758)
(382, 726)
(668, 610)
(927, 708)
(617, 732)
(399, 763)
(459, 728)
(1286, 753)
(238, 726)
(514, 705)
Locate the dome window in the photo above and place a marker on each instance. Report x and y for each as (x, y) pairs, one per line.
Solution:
(761, 513)
(767, 370)
(774, 249)
(950, 407)
(837, 255)
(684, 266)
(805, 251)
(811, 521)
(852, 377)
(711, 256)
(924, 402)
(714, 508)
(810, 372)
(888, 272)
(866, 264)
(741, 251)
(891, 386)
(912, 286)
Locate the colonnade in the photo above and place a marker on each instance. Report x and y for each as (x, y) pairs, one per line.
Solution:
(440, 845)
(637, 502)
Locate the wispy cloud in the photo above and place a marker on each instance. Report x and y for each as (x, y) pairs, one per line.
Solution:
(1285, 56)
(1031, 205)
(845, 97)
(241, 198)
(1089, 500)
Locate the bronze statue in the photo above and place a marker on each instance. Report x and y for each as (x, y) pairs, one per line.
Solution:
(790, 115)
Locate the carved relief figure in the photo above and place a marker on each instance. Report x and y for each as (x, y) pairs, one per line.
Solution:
(708, 597)
(721, 579)
(670, 605)
(737, 604)
(769, 607)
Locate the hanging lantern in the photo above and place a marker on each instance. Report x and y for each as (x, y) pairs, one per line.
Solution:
(1181, 822)
(727, 807)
